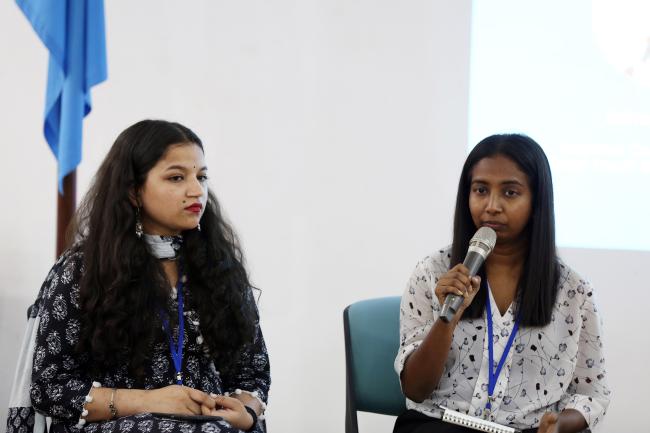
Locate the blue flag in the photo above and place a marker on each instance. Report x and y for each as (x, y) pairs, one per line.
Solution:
(73, 32)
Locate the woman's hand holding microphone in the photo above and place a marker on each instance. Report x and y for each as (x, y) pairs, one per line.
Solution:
(458, 282)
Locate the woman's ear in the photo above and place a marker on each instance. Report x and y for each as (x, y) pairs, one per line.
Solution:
(134, 197)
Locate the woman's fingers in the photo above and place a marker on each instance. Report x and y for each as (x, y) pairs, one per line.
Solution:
(457, 281)
(548, 422)
(458, 276)
(227, 415)
(205, 410)
(459, 286)
(472, 289)
(200, 397)
(199, 401)
(194, 407)
(227, 402)
(455, 286)
(451, 286)
(233, 411)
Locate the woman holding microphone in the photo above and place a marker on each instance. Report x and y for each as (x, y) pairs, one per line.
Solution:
(524, 348)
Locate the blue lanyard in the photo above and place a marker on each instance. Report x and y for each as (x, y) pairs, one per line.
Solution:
(494, 375)
(177, 349)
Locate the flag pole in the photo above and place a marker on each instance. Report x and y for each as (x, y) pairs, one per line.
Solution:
(74, 35)
(66, 204)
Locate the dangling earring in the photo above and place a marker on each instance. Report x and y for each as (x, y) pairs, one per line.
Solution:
(138, 223)
(198, 226)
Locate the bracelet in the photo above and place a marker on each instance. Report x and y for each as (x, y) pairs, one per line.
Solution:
(254, 415)
(111, 404)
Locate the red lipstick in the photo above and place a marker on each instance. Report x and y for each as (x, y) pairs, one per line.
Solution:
(196, 208)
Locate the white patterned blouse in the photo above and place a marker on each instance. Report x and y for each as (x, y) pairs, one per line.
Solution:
(549, 368)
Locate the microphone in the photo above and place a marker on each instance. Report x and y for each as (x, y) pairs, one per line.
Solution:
(480, 246)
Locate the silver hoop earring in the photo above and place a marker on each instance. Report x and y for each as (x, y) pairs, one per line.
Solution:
(198, 226)
(138, 223)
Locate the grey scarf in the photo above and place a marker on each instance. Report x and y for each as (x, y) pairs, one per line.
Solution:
(163, 247)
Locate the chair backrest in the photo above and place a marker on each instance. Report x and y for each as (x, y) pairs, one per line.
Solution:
(371, 344)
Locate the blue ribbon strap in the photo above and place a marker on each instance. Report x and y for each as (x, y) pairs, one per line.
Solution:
(176, 349)
(494, 375)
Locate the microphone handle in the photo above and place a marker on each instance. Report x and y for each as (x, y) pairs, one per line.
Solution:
(473, 262)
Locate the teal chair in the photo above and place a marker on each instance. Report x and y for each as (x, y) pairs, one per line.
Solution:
(371, 342)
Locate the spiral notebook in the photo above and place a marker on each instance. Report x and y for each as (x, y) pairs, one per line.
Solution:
(461, 419)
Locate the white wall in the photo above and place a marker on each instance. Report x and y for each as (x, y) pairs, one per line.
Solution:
(622, 298)
(334, 131)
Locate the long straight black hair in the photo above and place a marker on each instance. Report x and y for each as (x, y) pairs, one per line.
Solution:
(537, 288)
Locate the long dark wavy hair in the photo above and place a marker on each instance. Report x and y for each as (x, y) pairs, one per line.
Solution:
(122, 283)
(537, 288)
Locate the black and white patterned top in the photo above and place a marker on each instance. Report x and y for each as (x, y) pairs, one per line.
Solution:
(549, 368)
(60, 381)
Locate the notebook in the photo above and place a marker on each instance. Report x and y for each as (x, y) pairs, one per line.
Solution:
(461, 419)
(187, 418)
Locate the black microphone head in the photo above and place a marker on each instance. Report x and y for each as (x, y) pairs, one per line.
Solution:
(484, 240)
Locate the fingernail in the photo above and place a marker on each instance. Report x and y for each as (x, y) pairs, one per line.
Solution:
(213, 395)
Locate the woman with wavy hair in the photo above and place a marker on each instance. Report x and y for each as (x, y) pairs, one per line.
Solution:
(524, 348)
(148, 322)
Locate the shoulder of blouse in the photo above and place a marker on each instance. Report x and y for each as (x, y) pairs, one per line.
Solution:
(572, 284)
(73, 252)
(68, 266)
(71, 260)
(429, 268)
(438, 261)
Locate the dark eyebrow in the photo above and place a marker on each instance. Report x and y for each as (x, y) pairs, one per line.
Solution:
(512, 182)
(505, 182)
(180, 167)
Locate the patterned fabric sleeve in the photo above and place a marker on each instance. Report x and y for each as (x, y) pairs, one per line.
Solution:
(59, 385)
(419, 308)
(252, 371)
(588, 392)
